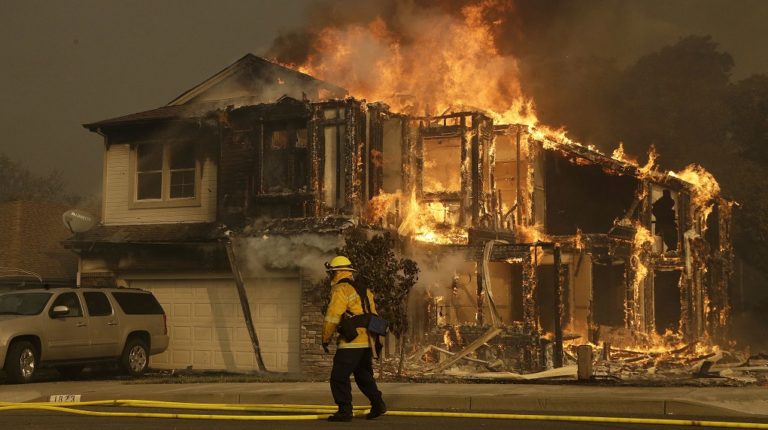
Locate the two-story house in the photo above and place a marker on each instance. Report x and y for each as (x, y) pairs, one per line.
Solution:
(284, 163)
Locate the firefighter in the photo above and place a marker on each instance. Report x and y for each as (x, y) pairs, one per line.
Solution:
(353, 356)
(666, 224)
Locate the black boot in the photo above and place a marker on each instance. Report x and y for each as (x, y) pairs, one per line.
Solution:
(377, 408)
(344, 414)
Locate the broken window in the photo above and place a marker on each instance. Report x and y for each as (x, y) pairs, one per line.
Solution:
(442, 165)
(165, 171)
(286, 159)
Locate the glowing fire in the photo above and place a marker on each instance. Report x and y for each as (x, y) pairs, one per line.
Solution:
(435, 64)
(429, 222)
(704, 187)
(643, 240)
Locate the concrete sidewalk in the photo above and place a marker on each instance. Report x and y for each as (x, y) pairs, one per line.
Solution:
(722, 402)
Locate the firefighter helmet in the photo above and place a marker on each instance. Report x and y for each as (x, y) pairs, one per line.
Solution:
(338, 263)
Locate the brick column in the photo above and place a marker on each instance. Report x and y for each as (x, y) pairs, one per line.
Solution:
(313, 360)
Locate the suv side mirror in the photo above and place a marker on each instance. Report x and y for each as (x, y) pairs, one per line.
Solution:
(59, 311)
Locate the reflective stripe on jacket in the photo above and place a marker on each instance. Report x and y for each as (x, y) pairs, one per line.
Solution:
(344, 298)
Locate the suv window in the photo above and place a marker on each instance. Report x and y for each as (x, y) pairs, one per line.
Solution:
(97, 304)
(138, 303)
(23, 303)
(71, 301)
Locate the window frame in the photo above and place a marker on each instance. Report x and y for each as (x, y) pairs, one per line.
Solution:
(165, 199)
(296, 149)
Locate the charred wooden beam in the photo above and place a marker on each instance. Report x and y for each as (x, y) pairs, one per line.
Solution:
(465, 215)
(244, 304)
(558, 347)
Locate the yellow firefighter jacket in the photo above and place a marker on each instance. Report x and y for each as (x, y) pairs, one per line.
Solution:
(344, 298)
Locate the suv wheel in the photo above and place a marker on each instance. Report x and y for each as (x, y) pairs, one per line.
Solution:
(21, 362)
(135, 358)
(70, 372)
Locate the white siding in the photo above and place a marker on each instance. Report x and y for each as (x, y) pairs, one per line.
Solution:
(207, 330)
(117, 196)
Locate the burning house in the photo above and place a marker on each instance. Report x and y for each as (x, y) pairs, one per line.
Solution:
(226, 201)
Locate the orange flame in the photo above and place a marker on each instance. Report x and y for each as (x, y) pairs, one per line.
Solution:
(438, 64)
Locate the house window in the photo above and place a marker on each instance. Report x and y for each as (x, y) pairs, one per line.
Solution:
(182, 167)
(165, 171)
(286, 166)
(149, 172)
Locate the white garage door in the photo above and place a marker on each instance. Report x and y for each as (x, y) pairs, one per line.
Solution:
(207, 329)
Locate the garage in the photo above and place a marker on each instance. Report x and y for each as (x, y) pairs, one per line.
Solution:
(207, 329)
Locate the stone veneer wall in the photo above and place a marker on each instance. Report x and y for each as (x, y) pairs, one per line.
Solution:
(313, 360)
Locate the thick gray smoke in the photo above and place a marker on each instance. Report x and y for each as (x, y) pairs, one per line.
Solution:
(261, 256)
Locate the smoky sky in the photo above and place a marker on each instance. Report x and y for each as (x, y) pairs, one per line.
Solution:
(65, 63)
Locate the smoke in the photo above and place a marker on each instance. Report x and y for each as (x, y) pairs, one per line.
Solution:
(419, 57)
(439, 271)
(259, 256)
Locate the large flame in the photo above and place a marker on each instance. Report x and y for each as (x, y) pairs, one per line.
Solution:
(433, 64)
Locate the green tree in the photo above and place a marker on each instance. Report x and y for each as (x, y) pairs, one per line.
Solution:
(390, 278)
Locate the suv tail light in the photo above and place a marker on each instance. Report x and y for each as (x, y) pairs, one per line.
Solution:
(165, 323)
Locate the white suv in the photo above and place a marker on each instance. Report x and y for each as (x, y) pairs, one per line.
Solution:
(68, 328)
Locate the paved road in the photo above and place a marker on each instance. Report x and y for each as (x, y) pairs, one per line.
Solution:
(33, 420)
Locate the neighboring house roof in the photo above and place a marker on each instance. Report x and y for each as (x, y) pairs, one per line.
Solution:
(30, 239)
(150, 234)
(251, 80)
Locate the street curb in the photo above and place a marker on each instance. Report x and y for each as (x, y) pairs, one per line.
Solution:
(510, 404)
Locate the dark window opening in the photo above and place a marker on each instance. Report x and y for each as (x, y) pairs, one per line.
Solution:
(286, 167)
(584, 196)
(609, 290)
(97, 304)
(666, 297)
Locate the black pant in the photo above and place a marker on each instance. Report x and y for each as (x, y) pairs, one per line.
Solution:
(357, 361)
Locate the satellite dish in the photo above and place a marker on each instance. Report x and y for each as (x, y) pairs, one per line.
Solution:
(78, 221)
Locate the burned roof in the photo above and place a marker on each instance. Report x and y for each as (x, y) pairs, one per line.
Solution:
(251, 68)
(250, 81)
(193, 111)
(150, 234)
